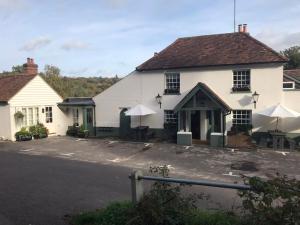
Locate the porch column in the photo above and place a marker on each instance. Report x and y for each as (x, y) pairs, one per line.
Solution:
(203, 125)
(179, 121)
(212, 121)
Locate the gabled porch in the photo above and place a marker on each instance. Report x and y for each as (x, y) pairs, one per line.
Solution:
(201, 115)
(80, 111)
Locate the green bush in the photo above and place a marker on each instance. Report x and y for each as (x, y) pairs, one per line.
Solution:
(272, 202)
(38, 131)
(23, 135)
(114, 214)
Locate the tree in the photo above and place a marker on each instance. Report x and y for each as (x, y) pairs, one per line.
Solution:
(52, 71)
(17, 69)
(293, 55)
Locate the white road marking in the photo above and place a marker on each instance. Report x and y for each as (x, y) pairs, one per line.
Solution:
(112, 142)
(80, 139)
(67, 154)
(283, 153)
(27, 150)
(230, 174)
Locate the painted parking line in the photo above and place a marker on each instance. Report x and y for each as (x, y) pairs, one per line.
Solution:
(67, 154)
(27, 150)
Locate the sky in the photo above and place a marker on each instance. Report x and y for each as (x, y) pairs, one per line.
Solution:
(112, 37)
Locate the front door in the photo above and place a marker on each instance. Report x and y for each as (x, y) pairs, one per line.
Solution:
(195, 124)
(125, 121)
(90, 120)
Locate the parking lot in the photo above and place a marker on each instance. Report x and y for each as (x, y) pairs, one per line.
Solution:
(194, 162)
(44, 181)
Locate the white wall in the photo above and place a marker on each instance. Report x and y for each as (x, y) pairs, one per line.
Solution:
(291, 99)
(142, 87)
(37, 93)
(5, 122)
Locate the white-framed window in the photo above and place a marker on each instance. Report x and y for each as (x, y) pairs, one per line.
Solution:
(170, 116)
(242, 117)
(75, 114)
(49, 115)
(172, 83)
(24, 111)
(288, 85)
(36, 118)
(30, 116)
(241, 80)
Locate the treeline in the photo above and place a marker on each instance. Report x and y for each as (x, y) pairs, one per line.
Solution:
(70, 86)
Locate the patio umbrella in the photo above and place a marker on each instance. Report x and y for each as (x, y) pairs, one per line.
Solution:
(139, 110)
(279, 111)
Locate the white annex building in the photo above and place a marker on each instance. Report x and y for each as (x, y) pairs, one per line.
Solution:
(203, 84)
(29, 94)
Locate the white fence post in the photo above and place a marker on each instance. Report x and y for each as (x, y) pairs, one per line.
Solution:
(136, 186)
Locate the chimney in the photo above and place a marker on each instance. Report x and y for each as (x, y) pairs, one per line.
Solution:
(245, 28)
(30, 68)
(240, 28)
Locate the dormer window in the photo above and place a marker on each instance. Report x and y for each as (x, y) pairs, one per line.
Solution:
(288, 85)
(241, 80)
(172, 83)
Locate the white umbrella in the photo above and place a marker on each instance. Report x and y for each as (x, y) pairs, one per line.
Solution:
(139, 110)
(279, 111)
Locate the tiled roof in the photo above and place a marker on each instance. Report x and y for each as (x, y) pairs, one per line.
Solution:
(212, 50)
(295, 73)
(11, 84)
(80, 101)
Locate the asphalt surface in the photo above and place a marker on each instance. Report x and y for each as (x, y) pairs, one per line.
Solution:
(41, 181)
(40, 190)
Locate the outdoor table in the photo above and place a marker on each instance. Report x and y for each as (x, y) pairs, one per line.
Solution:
(278, 139)
(141, 132)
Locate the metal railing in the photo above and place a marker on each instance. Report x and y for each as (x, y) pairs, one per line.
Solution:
(137, 190)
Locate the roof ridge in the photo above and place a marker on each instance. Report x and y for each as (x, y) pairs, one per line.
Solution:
(205, 35)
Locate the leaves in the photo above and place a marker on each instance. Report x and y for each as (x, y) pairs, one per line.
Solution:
(293, 55)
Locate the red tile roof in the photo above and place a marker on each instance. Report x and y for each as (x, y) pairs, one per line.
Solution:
(212, 50)
(11, 84)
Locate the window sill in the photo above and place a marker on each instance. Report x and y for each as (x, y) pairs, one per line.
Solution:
(172, 93)
(240, 92)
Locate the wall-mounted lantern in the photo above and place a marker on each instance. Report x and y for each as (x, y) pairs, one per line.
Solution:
(255, 97)
(158, 99)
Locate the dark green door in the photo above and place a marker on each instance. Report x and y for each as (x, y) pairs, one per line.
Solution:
(125, 121)
(90, 120)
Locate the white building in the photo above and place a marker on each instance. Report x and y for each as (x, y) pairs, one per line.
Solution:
(29, 94)
(206, 83)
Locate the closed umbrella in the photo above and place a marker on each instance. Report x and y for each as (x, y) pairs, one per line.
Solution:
(279, 111)
(139, 110)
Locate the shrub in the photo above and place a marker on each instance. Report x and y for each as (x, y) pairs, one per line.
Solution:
(82, 132)
(114, 214)
(72, 131)
(272, 202)
(23, 135)
(39, 131)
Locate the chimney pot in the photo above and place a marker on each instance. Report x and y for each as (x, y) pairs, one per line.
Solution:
(240, 28)
(155, 54)
(30, 68)
(245, 28)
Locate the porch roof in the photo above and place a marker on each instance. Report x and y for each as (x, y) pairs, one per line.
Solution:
(208, 92)
(84, 101)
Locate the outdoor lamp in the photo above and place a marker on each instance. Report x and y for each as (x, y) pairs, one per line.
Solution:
(158, 99)
(255, 97)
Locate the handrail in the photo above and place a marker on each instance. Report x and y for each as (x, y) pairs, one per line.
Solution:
(197, 182)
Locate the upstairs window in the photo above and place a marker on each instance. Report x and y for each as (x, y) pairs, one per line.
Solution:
(288, 85)
(49, 115)
(241, 80)
(170, 117)
(172, 83)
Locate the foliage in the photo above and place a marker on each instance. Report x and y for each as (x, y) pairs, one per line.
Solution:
(164, 204)
(273, 202)
(23, 135)
(72, 131)
(293, 55)
(82, 132)
(115, 214)
(38, 131)
(19, 115)
(76, 86)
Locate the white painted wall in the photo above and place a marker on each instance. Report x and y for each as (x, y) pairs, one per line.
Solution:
(5, 122)
(291, 99)
(37, 93)
(142, 87)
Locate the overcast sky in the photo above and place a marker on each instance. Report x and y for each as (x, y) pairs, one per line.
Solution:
(108, 37)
